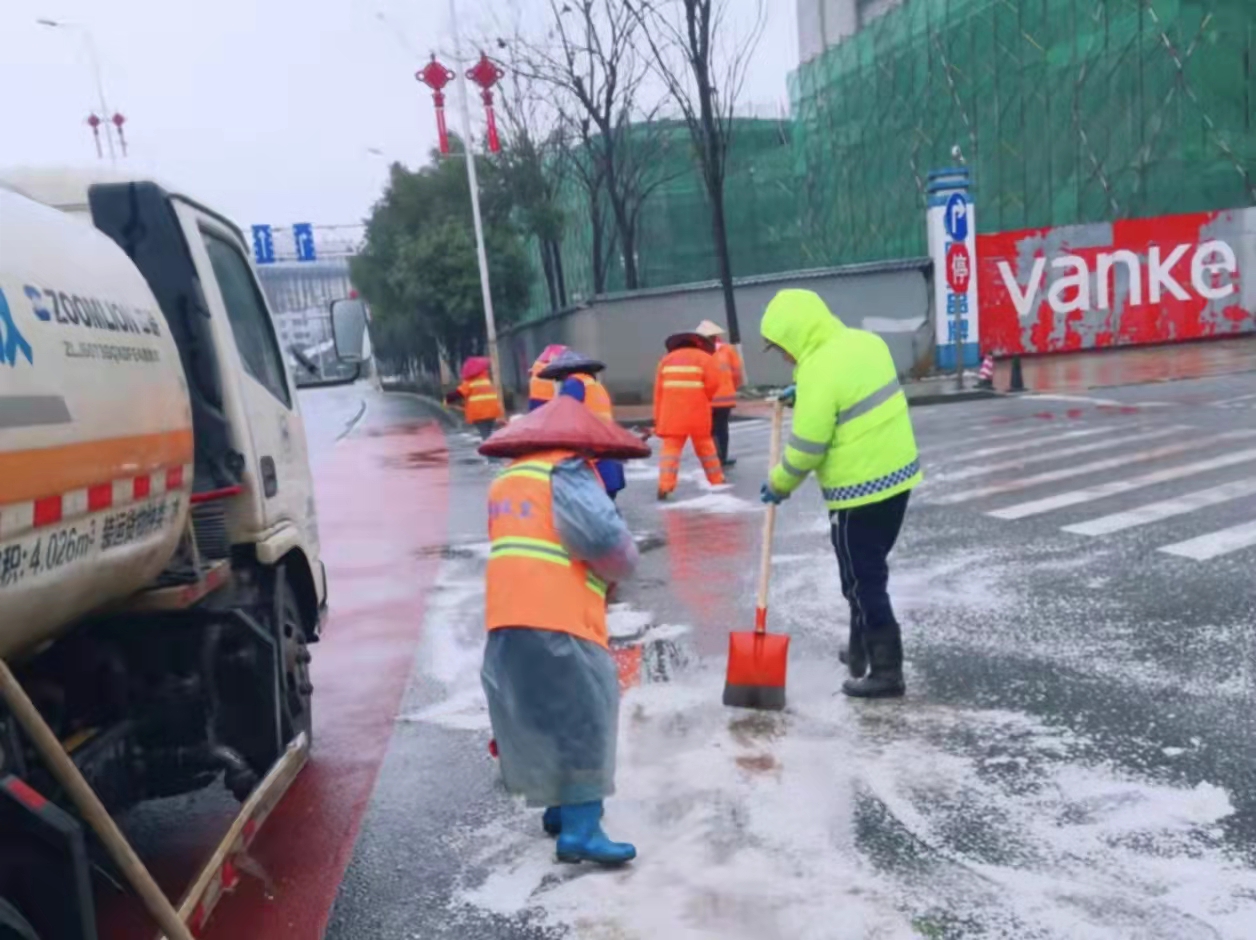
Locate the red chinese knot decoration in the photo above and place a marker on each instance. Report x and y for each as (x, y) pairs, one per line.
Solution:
(435, 76)
(486, 73)
(118, 121)
(94, 123)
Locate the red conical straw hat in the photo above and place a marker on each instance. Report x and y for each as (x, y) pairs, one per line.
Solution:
(565, 424)
(474, 366)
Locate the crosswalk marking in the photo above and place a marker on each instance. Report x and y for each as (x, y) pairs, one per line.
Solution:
(1111, 463)
(1043, 441)
(947, 477)
(1164, 509)
(1214, 544)
(962, 437)
(1116, 487)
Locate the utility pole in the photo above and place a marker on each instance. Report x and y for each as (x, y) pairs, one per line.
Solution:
(106, 116)
(489, 323)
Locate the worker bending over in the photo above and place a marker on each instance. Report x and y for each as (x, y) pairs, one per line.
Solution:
(482, 409)
(852, 428)
(542, 390)
(686, 383)
(732, 376)
(575, 376)
(551, 684)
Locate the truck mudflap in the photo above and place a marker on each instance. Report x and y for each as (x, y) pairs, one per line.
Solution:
(222, 872)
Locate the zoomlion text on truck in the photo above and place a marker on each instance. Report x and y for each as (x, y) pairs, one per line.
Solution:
(160, 578)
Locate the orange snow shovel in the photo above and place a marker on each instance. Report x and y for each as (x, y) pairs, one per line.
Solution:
(757, 661)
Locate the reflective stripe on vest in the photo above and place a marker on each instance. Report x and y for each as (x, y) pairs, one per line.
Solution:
(868, 402)
(533, 581)
(678, 382)
(872, 487)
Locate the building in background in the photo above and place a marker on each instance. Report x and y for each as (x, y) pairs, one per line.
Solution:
(824, 23)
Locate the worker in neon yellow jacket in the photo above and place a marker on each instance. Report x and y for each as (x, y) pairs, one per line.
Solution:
(851, 428)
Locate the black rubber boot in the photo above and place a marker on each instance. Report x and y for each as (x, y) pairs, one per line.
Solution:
(858, 667)
(885, 678)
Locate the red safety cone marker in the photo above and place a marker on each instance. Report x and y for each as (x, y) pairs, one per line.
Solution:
(985, 376)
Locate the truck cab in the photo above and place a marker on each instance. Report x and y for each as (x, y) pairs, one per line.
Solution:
(163, 598)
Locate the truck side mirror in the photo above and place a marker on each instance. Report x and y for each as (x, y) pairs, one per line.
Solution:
(348, 329)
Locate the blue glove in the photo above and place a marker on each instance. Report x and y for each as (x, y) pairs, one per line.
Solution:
(769, 495)
(788, 394)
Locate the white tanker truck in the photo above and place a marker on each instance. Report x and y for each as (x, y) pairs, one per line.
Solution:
(160, 579)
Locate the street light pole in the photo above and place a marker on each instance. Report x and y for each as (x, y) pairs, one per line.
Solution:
(489, 322)
(94, 59)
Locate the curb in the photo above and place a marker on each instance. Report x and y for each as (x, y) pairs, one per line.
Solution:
(946, 398)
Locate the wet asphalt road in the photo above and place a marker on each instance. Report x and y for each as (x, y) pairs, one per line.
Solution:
(1074, 758)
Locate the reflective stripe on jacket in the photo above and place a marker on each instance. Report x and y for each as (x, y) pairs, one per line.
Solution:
(596, 398)
(729, 364)
(851, 425)
(480, 400)
(532, 580)
(686, 383)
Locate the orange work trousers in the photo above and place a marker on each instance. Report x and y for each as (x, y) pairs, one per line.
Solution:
(669, 460)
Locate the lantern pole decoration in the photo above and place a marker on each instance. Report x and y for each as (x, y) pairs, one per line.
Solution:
(94, 123)
(118, 120)
(435, 76)
(487, 73)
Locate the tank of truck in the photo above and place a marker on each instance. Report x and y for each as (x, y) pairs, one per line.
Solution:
(96, 446)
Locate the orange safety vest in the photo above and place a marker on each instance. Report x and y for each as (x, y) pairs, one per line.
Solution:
(729, 364)
(540, 389)
(532, 581)
(480, 400)
(686, 382)
(596, 398)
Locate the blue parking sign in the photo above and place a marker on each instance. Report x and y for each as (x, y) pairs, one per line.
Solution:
(303, 235)
(263, 245)
(956, 217)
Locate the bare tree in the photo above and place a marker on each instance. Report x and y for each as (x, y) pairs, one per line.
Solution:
(589, 56)
(703, 63)
(533, 164)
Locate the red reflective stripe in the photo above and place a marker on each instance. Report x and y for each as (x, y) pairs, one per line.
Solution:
(47, 511)
(142, 486)
(210, 495)
(100, 497)
(25, 795)
(174, 478)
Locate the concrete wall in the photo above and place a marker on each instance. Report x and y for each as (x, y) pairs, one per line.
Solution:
(627, 331)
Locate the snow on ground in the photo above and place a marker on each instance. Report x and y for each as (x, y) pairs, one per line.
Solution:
(842, 820)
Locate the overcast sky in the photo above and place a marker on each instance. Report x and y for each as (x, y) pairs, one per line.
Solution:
(266, 109)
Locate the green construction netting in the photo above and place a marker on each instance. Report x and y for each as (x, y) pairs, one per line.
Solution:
(1066, 111)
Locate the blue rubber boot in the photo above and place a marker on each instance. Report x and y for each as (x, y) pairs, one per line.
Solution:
(552, 821)
(582, 838)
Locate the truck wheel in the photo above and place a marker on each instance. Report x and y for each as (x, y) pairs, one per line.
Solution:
(295, 689)
(13, 926)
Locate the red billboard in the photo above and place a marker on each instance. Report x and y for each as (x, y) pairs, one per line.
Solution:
(1128, 282)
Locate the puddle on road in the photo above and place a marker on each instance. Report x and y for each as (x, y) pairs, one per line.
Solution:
(418, 459)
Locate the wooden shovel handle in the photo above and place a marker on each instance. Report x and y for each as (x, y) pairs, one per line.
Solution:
(769, 520)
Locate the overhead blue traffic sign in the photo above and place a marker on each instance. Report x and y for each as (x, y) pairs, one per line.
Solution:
(956, 217)
(303, 235)
(263, 245)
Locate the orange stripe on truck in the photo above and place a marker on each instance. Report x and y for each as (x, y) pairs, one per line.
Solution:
(34, 474)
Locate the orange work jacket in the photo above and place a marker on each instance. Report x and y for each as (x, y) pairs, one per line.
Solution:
(532, 581)
(480, 400)
(540, 389)
(596, 398)
(684, 386)
(729, 364)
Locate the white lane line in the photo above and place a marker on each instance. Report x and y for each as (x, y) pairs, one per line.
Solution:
(1116, 487)
(1104, 402)
(1164, 509)
(1221, 542)
(936, 435)
(1096, 466)
(963, 454)
(1231, 401)
(943, 476)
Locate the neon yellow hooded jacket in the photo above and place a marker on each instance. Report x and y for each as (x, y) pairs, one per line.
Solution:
(850, 424)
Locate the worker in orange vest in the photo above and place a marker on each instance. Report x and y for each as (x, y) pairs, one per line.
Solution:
(686, 383)
(732, 377)
(542, 390)
(481, 407)
(575, 375)
(550, 680)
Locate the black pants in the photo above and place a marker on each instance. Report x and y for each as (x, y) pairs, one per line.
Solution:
(863, 538)
(719, 431)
